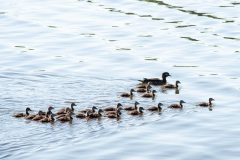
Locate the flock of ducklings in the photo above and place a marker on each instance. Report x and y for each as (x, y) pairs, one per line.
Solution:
(65, 114)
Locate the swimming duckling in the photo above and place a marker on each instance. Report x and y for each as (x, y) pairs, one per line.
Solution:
(39, 116)
(156, 108)
(139, 111)
(19, 115)
(113, 108)
(96, 115)
(144, 85)
(90, 110)
(172, 86)
(128, 94)
(66, 118)
(68, 110)
(150, 95)
(114, 112)
(157, 81)
(146, 89)
(48, 119)
(49, 111)
(180, 105)
(64, 110)
(31, 116)
(117, 116)
(132, 108)
(83, 115)
(206, 104)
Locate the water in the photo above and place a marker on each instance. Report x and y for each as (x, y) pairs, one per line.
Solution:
(91, 51)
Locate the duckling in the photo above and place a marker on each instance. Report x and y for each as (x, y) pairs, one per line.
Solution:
(96, 115)
(39, 116)
(19, 115)
(68, 110)
(150, 95)
(31, 116)
(180, 105)
(206, 104)
(128, 94)
(82, 115)
(49, 111)
(144, 85)
(90, 110)
(64, 110)
(48, 119)
(113, 108)
(139, 111)
(66, 118)
(114, 112)
(156, 108)
(146, 89)
(117, 116)
(172, 86)
(132, 108)
(157, 81)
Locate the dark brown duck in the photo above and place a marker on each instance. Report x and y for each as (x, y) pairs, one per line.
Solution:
(156, 108)
(150, 95)
(177, 106)
(139, 111)
(157, 81)
(172, 86)
(64, 110)
(19, 115)
(113, 108)
(132, 107)
(206, 104)
(130, 94)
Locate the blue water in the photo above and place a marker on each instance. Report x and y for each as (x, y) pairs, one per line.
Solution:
(91, 51)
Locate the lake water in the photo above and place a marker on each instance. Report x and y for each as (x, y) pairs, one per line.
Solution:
(91, 51)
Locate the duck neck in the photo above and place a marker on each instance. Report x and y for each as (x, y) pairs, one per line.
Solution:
(27, 112)
(210, 103)
(181, 104)
(72, 107)
(135, 105)
(176, 85)
(131, 93)
(164, 78)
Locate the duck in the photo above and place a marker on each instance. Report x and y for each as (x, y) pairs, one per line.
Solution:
(49, 111)
(82, 115)
(156, 108)
(132, 108)
(39, 116)
(19, 115)
(31, 116)
(94, 108)
(206, 104)
(117, 116)
(157, 81)
(143, 85)
(68, 110)
(128, 94)
(172, 86)
(66, 118)
(48, 119)
(96, 115)
(64, 110)
(139, 111)
(146, 89)
(114, 112)
(177, 106)
(150, 95)
(113, 108)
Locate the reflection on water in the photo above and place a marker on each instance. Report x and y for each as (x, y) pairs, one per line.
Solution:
(55, 52)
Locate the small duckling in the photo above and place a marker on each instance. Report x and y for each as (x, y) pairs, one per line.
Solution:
(68, 110)
(114, 112)
(31, 116)
(117, 116)
(39, 116)
(150, 95)
(156, 108)
(144, 85)
(139, 111)
(66, 118)
(157, 81)
(83, 115)
(177, 106)
(48, 119)
(94, 108)
(146, 89)
(113, 108)
(96, 115)
(132, 108)
(128, 94)
(64, 110)
(206, 104)
(19, 115)
(49, 111)
(172, 86)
